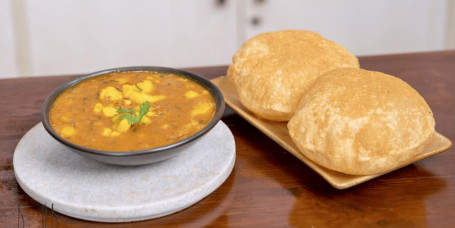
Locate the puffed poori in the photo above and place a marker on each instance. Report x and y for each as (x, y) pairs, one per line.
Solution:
(271, 71)
(360, 122)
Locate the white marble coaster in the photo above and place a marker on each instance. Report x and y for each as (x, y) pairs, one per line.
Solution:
(86, 189)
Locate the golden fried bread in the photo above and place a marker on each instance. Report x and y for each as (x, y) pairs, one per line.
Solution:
(360, 122)
(272, 70)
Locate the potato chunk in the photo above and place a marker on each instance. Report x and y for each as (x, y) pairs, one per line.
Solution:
(201, 108)
(98, 108)
(110, 132)
(140, 98)
(67, 132)
(128, 88)
(191, 94)
(110, 94)
(138, 94)
(109, 111)
(146, 120)
(107, 131)
(123, 126)
(146, 86)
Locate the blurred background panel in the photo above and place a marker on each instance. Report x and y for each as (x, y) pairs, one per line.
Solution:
(8, 66)
(55, 37)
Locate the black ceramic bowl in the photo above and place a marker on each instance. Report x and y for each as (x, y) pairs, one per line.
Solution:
(139, 157)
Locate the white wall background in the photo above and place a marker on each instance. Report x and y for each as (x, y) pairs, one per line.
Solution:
(8, 66)
(55, 37)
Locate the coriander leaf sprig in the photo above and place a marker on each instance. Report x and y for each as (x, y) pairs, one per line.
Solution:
(131, 116)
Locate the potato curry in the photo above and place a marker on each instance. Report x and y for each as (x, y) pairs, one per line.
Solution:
(129, 111)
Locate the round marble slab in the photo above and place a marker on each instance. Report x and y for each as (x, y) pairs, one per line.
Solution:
(89, 190)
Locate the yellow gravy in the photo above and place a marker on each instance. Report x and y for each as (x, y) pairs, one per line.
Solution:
(92, 112)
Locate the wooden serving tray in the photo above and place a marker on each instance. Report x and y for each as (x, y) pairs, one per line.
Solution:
(278, 132)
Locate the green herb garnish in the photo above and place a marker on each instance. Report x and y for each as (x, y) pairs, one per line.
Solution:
(131, 116)
(139, 88)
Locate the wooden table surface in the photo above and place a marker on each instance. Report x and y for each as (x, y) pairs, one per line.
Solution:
(268, 186)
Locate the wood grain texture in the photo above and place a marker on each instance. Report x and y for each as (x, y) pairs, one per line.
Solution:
(269, 186)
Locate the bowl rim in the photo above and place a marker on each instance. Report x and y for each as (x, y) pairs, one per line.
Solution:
(207, 84)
